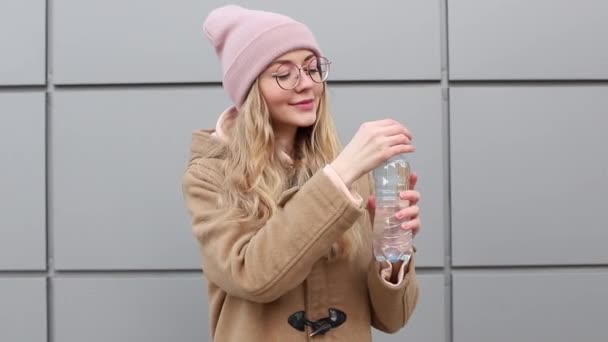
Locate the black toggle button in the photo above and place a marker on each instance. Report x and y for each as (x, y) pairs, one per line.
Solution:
(319, 327)
(298, 320)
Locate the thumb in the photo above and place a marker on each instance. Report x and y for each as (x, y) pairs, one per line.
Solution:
(413, 180)
(371, 208)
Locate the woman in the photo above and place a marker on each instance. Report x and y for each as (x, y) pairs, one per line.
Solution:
(282, 215)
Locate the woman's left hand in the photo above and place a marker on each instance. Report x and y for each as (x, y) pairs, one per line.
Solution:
(412, 212)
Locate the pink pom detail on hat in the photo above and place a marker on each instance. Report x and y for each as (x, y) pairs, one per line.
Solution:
(247, 41)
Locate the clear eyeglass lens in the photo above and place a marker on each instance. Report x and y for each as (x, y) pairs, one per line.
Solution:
(288, 74)
(318, 69)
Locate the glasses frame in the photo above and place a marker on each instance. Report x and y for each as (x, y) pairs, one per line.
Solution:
(328, 63)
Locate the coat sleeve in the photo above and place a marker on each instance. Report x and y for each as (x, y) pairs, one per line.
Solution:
(392, 305)
(261, 264)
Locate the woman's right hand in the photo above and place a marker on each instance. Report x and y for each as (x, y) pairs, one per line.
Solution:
(374, 143)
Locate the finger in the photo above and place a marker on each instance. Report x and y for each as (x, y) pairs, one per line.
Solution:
(413, 180)
(413, 225)
(408, 213)
(397, 139)
(395, 125)
(391, 130)
(416, 228)
(400, 149)
(371, 202)
(412, 196)
(371, 208)
(407, 133)
(402, 130)
(385, 122)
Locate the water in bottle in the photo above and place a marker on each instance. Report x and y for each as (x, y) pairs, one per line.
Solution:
(390, 241)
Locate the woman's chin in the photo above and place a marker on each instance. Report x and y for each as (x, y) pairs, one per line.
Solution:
(309, 121)
(303, 118)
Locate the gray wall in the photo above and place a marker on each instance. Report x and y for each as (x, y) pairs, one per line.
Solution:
(507, 101)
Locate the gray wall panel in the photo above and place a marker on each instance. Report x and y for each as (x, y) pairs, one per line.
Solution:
(530, 306)
(118, 41)
(118, 159)
(428, 321)
(529, 175)
(22, 181)
(133, 308)
(22, 42)
(523, 39)
(419, 109)
(23, 309)
(138, 47)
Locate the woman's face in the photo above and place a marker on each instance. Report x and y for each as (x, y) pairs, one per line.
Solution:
(297, 107)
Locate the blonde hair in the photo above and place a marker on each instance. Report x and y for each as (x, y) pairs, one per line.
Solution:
(255, 175)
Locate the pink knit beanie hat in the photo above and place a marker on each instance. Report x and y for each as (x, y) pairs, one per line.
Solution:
(247, 41)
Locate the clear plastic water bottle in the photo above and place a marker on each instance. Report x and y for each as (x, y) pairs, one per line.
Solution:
(390, 241)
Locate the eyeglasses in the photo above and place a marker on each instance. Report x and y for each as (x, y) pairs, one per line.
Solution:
(288, 74)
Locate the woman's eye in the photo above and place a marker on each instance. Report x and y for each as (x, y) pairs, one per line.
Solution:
(313, 70)
(283, 76)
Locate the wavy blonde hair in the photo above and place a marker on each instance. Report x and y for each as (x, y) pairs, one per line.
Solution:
(255, 174)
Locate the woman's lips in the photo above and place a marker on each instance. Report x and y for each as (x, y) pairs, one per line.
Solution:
(305, 105)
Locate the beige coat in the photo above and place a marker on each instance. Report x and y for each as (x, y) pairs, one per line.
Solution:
(260, 276)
